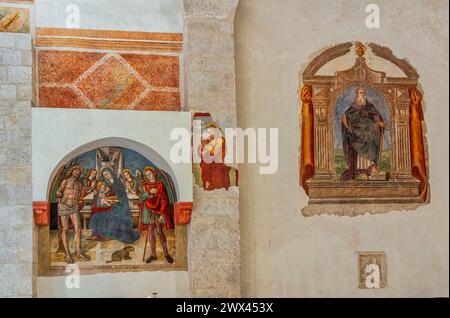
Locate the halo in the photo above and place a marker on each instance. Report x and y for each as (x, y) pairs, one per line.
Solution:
(151, 169)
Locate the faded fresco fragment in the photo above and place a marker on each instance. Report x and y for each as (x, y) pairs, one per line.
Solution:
(214, 173)
(15, 20)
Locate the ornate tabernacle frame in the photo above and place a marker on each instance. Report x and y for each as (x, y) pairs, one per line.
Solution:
(408, 182)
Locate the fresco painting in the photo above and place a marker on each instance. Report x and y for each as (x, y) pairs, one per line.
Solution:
(111, 207)
(69, 79)
(212, 174)
(15, 20)
(361, 136)
(362, 140)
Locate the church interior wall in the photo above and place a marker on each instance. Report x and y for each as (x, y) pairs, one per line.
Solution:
(285, 254)
(128, 72)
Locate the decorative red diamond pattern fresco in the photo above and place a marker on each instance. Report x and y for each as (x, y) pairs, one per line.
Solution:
(71, 79)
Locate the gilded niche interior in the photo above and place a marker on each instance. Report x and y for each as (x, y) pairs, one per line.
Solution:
(362, 147)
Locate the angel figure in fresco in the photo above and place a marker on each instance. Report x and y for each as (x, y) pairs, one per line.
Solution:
(131, 182)
(215, 173)
(362, 136)
(111, 216)
(89, 183)
(153, 212)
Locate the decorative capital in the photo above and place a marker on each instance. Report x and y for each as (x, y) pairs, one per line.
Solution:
(41, 212)
(182, 211)
(414, 95)
(306, 93)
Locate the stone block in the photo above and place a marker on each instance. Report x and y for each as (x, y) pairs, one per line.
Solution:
(201, 43)
(19, 74)
(3, 195)
(2, 151)
(226, 292)
(16, 279)
(24, 92)
(18, 156)
(18, 122)
(218, 243)
(224, 46)
(19, 175)
(23, 42)
(27, 58)
(210, 63)
(3, 170)
(196, 25)
(19, 193)
(3, 73)
(220, 9)
(21, 107)
(7, 91)
(7, 40)
(10, 137)
(219, 202)
(5, 107)
(212, 278)
(18, 238)
(10, 57)
(15, 255)
(16, 217)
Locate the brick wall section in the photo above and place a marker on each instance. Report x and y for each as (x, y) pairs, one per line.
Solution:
(16, 226)
(214, 236)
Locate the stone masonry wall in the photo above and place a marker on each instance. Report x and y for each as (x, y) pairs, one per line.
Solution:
(214, 252)
(16, 226)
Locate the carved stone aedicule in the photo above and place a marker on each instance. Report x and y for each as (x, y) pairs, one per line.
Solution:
(367, 146)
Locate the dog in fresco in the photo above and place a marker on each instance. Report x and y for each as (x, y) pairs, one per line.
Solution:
(121, 254)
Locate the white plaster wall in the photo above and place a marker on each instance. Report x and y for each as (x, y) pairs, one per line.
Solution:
(286, 254)
(136, 285)
(129, 15)
(58, 132)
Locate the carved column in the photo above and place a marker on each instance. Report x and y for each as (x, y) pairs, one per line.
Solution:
(418, 158)
(323, 138)
(401, 145)
(213, 234)
(307, 147)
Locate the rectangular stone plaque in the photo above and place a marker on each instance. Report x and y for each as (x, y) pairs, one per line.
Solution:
(372, 270)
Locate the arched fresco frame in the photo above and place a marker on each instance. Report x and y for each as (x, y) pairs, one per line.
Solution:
(408, 183)
(140, 148)
(181, 210)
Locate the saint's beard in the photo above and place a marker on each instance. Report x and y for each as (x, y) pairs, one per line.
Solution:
(361, 101)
